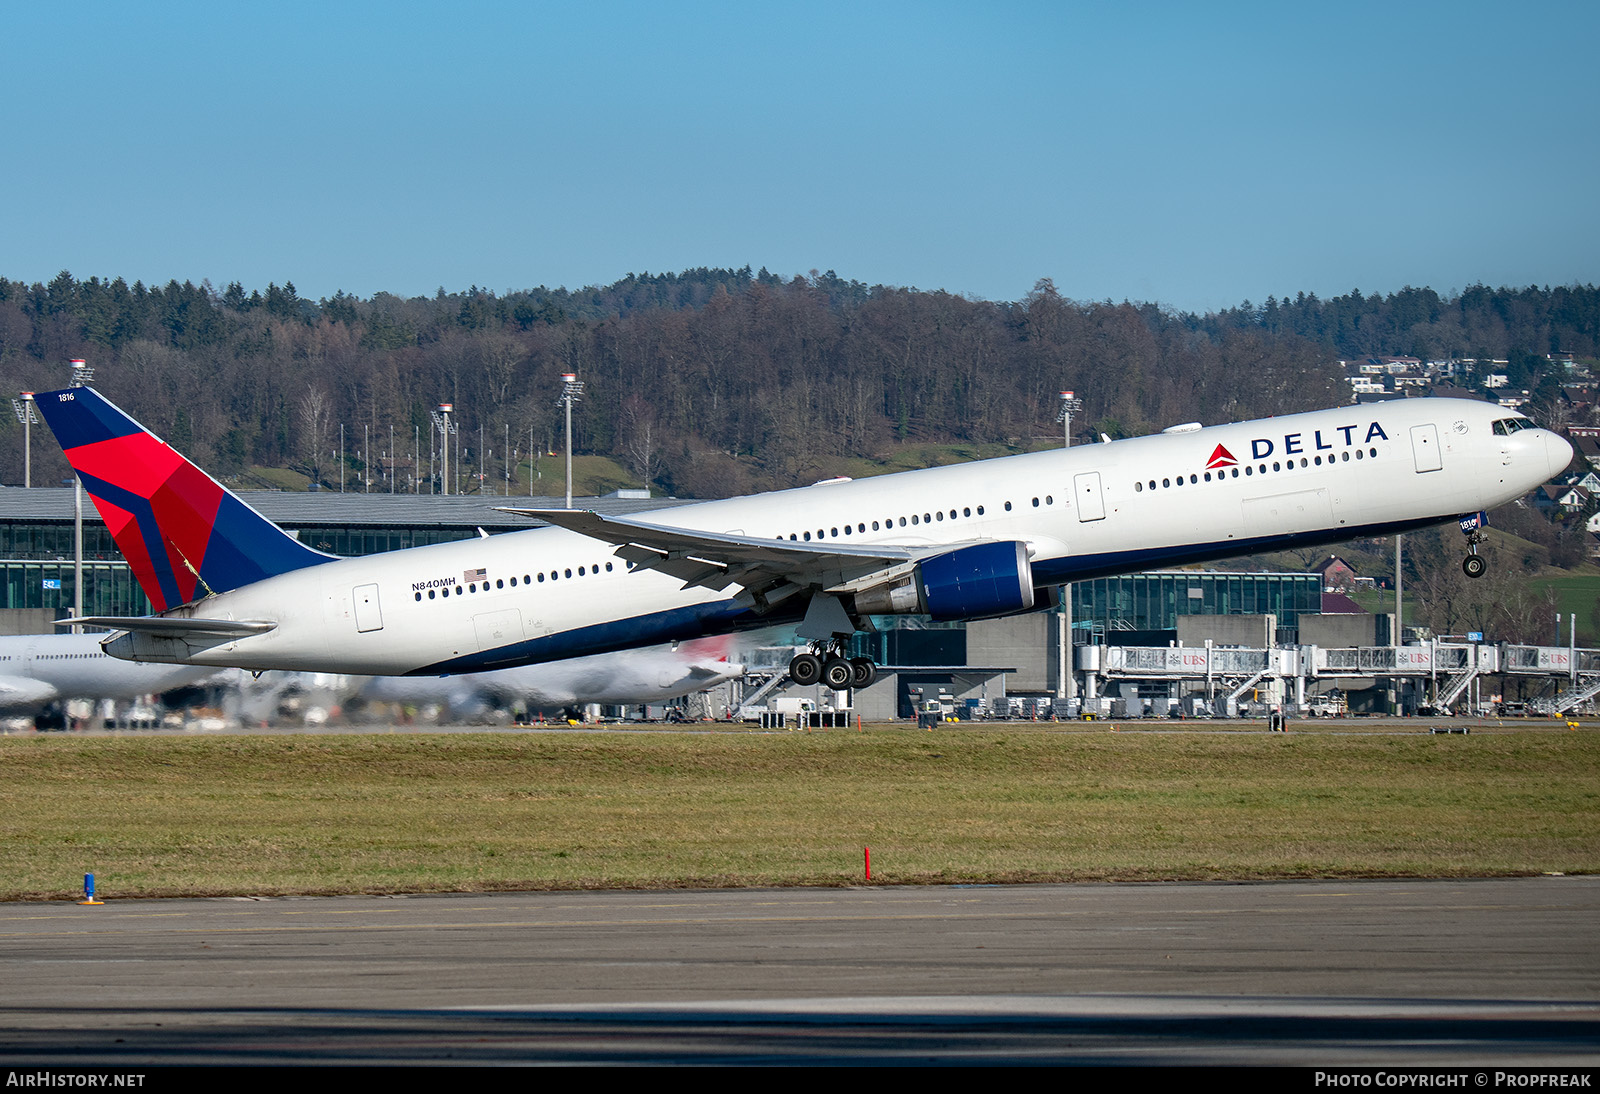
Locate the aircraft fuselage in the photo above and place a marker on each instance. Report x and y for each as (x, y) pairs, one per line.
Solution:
(547, 593)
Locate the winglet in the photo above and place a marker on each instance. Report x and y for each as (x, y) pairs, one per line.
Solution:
(183, 533)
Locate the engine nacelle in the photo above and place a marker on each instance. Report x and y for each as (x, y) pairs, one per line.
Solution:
(983, 580)
(977, 582)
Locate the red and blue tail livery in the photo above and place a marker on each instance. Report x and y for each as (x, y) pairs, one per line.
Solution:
(183, 533)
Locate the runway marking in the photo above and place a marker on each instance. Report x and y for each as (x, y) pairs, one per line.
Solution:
(550, 924)
(733, 917)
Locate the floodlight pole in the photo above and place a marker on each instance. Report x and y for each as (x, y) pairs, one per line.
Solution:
(82, 373)
(1066, 686)
(1399, 622)
(444, 427)
(571, 389)
(1399, 595)
(1070, 405)
(27, 414)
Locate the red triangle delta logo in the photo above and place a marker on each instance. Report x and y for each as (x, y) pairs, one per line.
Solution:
(1220, 457)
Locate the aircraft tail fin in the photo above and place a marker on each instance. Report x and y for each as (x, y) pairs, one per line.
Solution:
(714, 648)
(183, 533)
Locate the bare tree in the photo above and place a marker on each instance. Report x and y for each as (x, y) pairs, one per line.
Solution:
(316, 417)
(641, 438)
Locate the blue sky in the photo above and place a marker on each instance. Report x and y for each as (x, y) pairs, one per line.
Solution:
(1194, 154)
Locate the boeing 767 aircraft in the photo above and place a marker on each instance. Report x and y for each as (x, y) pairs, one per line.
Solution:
(969, 541)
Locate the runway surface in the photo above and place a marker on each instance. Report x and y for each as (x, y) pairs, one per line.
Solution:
(1485, 972)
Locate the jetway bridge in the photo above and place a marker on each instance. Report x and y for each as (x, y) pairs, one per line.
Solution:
(1445, 671)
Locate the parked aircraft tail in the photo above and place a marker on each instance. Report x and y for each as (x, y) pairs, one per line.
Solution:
(183, 533)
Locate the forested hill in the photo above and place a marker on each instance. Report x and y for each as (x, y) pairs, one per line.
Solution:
(715, 381)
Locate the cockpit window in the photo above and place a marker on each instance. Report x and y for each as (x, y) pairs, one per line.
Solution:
(1504, 427)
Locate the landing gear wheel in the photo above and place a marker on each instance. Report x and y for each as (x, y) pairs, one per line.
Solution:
(806, 669)
(863, 673)
(837, 673)
(1474, 566)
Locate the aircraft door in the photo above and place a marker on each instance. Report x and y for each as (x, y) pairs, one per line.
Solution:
(369, 616)
(1091, 505)
(1425, 448)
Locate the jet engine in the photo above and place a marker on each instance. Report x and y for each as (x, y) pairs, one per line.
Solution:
(977, 582)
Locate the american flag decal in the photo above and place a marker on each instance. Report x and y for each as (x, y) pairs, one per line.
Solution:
(474, 575)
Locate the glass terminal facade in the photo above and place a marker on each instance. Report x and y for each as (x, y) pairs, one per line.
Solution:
(36, 568)
(1154, 601)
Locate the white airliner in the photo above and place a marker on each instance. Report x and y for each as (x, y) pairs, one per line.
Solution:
(969, 541)
(39, 669)
(627, 678)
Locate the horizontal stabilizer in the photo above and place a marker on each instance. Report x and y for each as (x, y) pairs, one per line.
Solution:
(175, 626)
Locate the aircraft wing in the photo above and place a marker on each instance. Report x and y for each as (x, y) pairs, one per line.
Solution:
(716, 560)
(174, 626)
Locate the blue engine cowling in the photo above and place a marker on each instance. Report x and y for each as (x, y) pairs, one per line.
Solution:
(987, 579)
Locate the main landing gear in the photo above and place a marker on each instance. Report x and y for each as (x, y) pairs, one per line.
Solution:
(1474, 565)
(827, 664)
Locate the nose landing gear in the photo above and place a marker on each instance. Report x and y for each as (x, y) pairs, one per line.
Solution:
(1474, 565)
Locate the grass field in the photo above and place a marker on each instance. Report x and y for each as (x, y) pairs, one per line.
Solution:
(1575, 595)
(350, 813)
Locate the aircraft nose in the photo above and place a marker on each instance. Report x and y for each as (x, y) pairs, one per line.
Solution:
(1558, 452)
